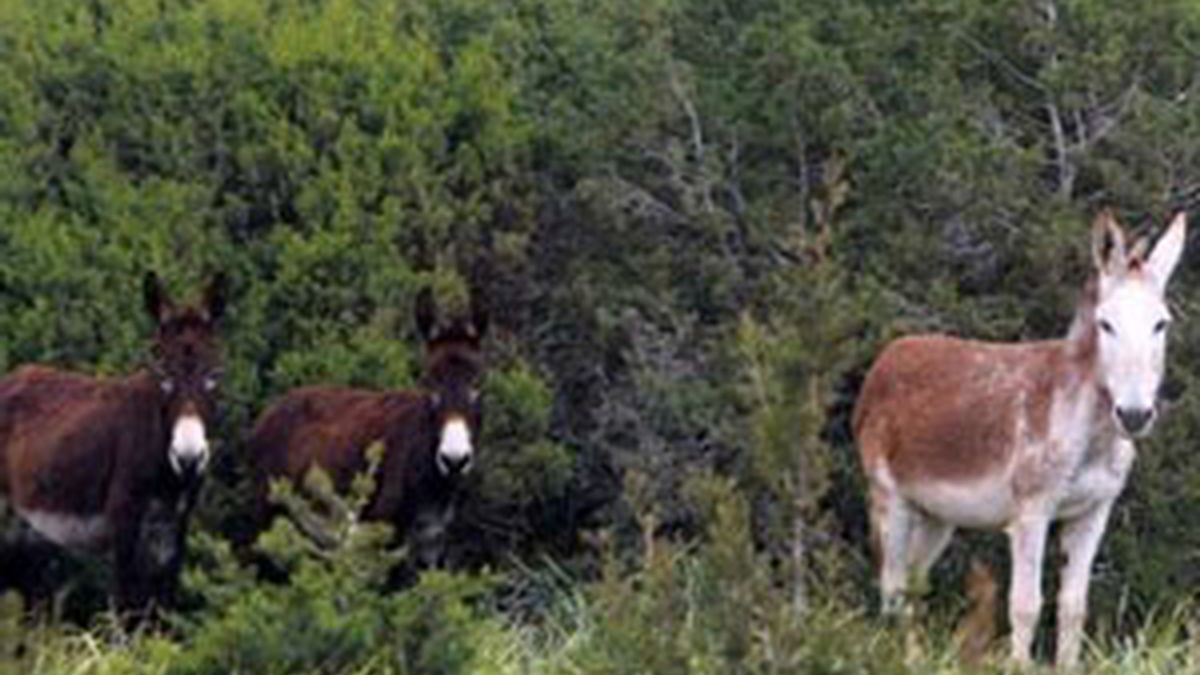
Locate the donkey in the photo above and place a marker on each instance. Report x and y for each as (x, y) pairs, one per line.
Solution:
(959, 433)
(114, 464)
(428, 434)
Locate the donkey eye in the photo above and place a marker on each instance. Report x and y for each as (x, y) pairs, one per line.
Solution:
(1107, 327)
(167, 385)
(1161, 326)
(473, 395)
(210, 383)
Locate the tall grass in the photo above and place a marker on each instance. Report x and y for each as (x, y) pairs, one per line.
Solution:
(716, 605)
(577, 637)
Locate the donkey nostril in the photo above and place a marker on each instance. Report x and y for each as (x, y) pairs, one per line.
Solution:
(1134, 419)
(454, 465)
(188, 466)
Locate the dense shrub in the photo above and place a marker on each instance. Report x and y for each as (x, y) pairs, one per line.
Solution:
(333, 609)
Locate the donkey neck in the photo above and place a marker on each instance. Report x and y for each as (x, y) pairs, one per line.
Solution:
(146, 394)
(1079, 402)
(1082, 353)
(144, 385)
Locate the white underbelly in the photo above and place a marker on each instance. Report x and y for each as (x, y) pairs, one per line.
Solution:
(69, 529)
(980, 504)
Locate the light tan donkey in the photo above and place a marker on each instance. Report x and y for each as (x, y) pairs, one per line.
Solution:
(960, 433)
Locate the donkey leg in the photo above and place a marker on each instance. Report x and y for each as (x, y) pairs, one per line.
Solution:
(926, 543)
(161, 545)
(131, 596)
(1027, 539)
(893, 520)
(1080, 541)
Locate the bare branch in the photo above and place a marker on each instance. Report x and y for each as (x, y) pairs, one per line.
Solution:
(1081, 129)
(1107, 117)
(1005, 64)
(1062, 159)
(689, 109)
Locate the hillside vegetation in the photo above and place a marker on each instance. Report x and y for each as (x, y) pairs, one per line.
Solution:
(696, 222)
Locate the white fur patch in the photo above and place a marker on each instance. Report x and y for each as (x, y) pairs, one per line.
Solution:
(986, 503)
(455, 445)
(189, 445)
(1100, 477)
(69, 529)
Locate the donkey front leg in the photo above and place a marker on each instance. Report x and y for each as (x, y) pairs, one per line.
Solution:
(161, 545)
(1080, 541)
(1027, 540)
(131, 596)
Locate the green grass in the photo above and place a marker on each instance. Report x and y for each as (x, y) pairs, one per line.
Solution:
(577, 637)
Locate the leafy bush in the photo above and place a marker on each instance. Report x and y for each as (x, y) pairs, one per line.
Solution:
(335, 613)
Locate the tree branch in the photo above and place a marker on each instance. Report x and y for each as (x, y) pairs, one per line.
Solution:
(1062, 160)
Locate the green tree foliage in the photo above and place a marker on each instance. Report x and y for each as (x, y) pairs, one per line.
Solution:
(333, 614)
(695, 223)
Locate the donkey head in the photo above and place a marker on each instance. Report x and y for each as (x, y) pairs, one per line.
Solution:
(1131, 319)
(187, 364)
(453, 370)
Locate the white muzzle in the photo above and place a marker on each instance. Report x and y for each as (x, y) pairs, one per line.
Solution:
(188, 453)
(454, 451)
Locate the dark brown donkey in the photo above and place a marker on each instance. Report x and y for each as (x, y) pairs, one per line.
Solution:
(428, 434)
(114, 464)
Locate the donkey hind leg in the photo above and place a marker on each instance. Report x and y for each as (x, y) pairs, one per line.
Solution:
(892, 519)
(927, 540)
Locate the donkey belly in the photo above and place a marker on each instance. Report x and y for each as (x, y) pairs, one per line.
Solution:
(72, 530)
(985, 504)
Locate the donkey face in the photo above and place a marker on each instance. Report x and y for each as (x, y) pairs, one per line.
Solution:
(187, 365)
(1132, 320)
(454, 368)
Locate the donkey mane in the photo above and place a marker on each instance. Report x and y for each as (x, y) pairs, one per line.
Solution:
(1082, 332)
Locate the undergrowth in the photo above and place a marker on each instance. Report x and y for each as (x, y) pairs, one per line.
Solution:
(712, 606)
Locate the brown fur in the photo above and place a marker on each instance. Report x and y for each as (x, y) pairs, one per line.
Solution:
(42, 408)
(923, 411)
(331, 427)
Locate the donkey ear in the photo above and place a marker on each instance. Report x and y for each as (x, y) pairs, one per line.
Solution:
(1168, 250)
(426, 313)
(1108, 245)
(214, 297)
(154, 296)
